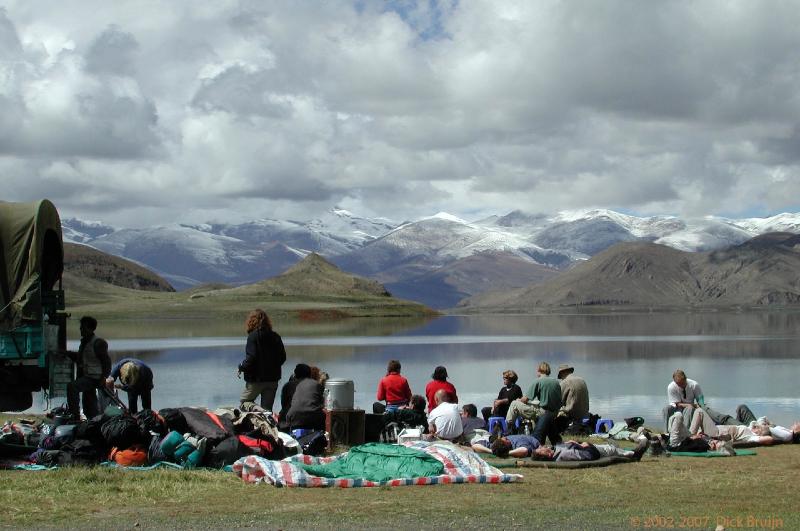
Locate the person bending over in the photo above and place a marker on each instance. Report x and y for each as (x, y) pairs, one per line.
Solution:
(136, 379)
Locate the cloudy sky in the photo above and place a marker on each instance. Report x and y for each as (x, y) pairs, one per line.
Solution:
(138, 113)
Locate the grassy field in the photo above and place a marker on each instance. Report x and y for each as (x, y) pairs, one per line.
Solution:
(754, 492)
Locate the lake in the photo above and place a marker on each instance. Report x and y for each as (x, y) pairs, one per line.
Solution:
(626, 359)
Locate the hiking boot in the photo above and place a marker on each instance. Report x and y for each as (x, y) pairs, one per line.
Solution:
(640, 449)
(657, 447)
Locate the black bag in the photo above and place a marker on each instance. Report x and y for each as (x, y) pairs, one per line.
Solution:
(78, 452)
(149, 421)
(226, 452)
(634, 422)
(90, 430)
(206, 424)
(314, 443)
(174, 419)
(154, 453)
(121, 432)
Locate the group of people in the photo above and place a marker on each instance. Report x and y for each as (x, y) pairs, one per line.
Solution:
(693, 426)
(527, 420)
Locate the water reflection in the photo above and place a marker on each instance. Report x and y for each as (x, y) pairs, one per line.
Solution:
(627, 359)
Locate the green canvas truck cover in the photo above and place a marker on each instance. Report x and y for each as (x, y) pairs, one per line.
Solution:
(31, 259)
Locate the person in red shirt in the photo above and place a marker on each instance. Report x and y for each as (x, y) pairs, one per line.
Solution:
(439, 382)
(393, 388)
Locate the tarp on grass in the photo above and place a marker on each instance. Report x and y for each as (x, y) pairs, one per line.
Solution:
(458, 465)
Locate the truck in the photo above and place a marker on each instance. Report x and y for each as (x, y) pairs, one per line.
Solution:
(33, 323)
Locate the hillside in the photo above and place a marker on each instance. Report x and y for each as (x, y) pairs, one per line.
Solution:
(315, 276)
(82, 262)
(313, 289)
(760, 272)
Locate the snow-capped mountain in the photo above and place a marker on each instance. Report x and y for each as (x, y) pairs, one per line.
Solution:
(402, 255)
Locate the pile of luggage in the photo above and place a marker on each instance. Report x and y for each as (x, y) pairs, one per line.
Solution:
(190, 437)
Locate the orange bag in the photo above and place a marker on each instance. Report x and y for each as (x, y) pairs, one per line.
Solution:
(136, 455)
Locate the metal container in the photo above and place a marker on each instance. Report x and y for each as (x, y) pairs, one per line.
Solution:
(339, 394)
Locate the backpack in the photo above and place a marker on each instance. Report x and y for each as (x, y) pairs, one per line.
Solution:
(134, 456)
(150, 421)
(314, 443)
(174, 419)
(264, 445)
(121, 432)
(78, 452)
(226, 452)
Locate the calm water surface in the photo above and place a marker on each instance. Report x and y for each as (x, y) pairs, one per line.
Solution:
(627, 360)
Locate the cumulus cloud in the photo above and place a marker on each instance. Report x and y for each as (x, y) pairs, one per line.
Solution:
(144, 113)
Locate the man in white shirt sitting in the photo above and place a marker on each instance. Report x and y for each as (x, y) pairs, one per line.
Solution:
(444, 421)
(683, 395)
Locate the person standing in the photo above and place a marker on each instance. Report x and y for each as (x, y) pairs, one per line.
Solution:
(264, 356)
(94, 365)
(136, 379)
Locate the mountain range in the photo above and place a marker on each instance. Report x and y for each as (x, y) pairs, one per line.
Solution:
(437, 260)
(760, 272)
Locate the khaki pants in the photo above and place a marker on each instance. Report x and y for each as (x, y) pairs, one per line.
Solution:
(520, 409)
(267, 390)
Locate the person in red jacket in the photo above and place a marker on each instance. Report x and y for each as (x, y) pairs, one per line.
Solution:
(393, 388)
(439, 382)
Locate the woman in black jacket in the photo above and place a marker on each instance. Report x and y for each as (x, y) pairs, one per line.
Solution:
(264, 355)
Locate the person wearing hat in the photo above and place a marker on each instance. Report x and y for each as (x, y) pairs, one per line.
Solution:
(574, 397)
(136, 379)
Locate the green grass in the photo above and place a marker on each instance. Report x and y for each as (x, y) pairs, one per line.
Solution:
(615, 497)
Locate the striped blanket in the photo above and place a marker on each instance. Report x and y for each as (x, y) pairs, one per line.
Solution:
(460, 466)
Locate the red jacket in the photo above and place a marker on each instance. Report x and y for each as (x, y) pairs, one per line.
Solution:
(394, 389)
(435, 385)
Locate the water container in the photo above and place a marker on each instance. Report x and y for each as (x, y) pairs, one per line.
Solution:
(339, 394)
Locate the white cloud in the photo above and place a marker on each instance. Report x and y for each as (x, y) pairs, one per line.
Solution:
(161, 111)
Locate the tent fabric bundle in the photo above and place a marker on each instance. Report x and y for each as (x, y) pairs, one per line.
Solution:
(457, 465)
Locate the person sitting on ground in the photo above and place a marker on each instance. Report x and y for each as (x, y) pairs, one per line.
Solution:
(94, 365)
(508, 393)
(439, 382)
(470, 421)
(136, 379)
(409, 417)
(544, 395)
(319, 375)
(680, 439)
(307, 402)
(444, 421)
(574, 397)
(575, 451)
(393, 389)
(301, 370)
(508, 446)
(683, 395)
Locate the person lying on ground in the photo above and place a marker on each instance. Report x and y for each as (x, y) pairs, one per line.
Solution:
(760, 433)
(543, 395)
(575, 451)
(508, 393)
(444, 421)
(509, 446)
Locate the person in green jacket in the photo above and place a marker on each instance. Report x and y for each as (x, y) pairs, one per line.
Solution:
(544, 395)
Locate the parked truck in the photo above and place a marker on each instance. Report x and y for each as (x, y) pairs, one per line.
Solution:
(33, 331)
